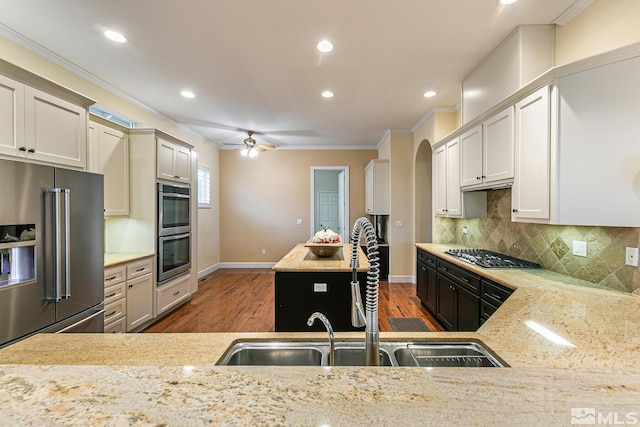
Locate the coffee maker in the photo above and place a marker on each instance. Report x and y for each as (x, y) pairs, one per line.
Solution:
(380, 227)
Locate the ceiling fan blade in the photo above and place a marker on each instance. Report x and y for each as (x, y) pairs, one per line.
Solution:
(259, 148)
(267, 146)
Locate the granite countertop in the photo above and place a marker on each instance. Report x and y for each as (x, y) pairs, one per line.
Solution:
(148, 379)
(300, 259)
(113, 258)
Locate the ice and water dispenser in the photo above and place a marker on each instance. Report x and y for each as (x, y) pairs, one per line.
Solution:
(17, 254)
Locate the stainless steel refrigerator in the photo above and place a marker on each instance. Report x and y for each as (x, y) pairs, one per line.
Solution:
(51, 251)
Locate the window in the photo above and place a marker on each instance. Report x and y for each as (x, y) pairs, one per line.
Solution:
(204, 187)
(114, 117)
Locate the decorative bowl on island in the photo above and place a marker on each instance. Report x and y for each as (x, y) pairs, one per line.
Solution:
(324, 243)
(324, 250)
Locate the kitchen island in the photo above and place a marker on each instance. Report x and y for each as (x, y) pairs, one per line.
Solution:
(305, 283)
(146, 379)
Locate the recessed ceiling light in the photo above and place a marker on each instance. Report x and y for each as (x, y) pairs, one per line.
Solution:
(115, 36)
(188, 94)
(508, 1)
(325, 46)
(327, 94)
(429, 94)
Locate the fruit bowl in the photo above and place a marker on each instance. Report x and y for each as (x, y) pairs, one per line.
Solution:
(324, 250)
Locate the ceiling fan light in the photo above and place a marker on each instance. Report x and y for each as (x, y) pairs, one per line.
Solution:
(244, 152)
(253, 153)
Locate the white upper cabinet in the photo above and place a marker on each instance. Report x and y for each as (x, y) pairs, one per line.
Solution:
(55, 130)
(174, 161)
(530, 195)
(38, 126)
(449, 200)
(376, 183)
(497, 153)
(11, 116)
(486, 153)
(109, 155)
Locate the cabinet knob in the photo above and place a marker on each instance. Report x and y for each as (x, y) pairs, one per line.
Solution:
(22, 148)
(130, 286)
(31, 150)
(514, 210)
(478, 178)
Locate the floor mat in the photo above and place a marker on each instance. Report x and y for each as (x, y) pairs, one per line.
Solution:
(407, 324)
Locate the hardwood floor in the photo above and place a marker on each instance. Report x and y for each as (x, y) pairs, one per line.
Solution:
(242, 300)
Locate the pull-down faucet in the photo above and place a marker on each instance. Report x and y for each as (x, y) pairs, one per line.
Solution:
(327, 325)
(359, 316)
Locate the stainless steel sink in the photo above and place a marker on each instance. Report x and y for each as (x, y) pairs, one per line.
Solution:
(354, 354)
(274, 353)
(416, 354)
(428, 355)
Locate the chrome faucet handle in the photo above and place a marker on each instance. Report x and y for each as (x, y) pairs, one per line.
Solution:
(327, 325)
(358, 318)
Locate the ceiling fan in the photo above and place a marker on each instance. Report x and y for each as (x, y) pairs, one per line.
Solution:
(251, 147)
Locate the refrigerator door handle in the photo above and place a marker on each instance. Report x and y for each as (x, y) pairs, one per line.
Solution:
(66, 193)
(61, 232)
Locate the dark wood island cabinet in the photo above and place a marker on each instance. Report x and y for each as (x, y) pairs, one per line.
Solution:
(305, 283)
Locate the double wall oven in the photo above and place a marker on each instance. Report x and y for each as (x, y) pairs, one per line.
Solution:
(174, 230)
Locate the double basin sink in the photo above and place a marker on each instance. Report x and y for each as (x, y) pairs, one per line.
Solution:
(309, 353)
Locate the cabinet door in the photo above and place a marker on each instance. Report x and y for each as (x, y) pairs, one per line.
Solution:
(11, 116)
(422, 276)
(468, 310)
(530, 196)
(109, 155)
(368, 188)
(55, 130)
(471, 157)
(139, 301)
(166, 155)
(447, 302)
(454, 194)
(440, 180)
(183, 164)
(498, 146)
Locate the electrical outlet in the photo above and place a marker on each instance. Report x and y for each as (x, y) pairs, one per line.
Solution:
(399, 224)
(580, 248)
(299, 221)
(264, 252)
(464, 230)
(631, 257)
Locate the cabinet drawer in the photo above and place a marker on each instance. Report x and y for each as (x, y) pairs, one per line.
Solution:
(139, 268)
(463, 277)
(116, 327)
(114, 293)
(486, 311)
(494, 293)
(113, 275)
(114, 311)
(172, 294)
(427, 259)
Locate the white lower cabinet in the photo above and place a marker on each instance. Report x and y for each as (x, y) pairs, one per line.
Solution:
(128, 295)
(115, 303)
(139, 293)
(172, 294)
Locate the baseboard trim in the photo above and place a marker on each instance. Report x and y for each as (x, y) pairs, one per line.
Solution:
(401, 279)
(208, 270)
(246, 264)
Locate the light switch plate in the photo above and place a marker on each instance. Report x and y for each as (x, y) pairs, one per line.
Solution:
(399, 224)
(299, 221)
(580, 248)
(631, 257)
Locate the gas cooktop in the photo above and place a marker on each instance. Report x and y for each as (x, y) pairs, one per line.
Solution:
(490, 259)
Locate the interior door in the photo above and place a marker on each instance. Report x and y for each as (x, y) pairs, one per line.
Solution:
(328, 209)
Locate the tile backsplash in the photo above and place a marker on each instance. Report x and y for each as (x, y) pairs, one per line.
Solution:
(549, 245)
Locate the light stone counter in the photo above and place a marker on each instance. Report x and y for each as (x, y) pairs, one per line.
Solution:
(152, 379)
(599, 327)
(113, 258)
(300, 259)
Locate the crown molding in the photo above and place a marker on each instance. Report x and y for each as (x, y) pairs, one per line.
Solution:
(572, 11)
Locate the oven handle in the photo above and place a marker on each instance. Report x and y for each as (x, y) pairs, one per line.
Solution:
(174, 237)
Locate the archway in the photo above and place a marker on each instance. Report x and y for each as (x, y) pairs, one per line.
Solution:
(423, 189)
